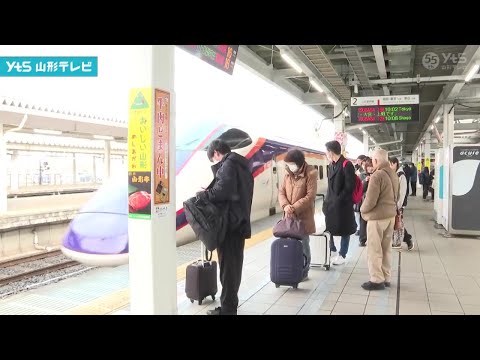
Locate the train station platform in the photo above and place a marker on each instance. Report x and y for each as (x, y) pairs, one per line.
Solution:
(42, 190)
(440, 276)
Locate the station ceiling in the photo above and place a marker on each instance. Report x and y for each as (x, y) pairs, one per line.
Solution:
(435, 72)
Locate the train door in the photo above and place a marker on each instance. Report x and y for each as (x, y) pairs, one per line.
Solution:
(274, 171)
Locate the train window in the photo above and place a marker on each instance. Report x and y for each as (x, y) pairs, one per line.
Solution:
(320, 172)
(236, 138)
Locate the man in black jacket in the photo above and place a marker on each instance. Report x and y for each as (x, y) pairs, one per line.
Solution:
(232, 191)
(338, 204)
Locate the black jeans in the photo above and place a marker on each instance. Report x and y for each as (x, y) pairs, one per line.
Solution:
(425, 191)
(230, 258)
(363, 231)
(414, 188)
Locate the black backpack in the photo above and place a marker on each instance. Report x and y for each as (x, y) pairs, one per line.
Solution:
(208, 222)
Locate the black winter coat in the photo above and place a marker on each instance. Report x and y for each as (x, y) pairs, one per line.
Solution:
(232, 191)
(338, 204)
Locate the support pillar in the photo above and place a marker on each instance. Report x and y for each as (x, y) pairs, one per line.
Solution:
(106, 161)
(94, 168)
(14, 171)
(428, 156)
(74, 166)
(339, 123)
(365, 143)
(152, 239)
(448, 125)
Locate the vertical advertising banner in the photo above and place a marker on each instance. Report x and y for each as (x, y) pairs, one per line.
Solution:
(427, 164)
(161, 143)
(465, 174)
(139, 154)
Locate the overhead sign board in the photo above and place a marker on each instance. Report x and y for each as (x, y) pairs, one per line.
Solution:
(377, 109)
(222, 57)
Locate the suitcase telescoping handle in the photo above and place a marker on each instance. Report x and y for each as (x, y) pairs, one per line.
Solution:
(204, 254)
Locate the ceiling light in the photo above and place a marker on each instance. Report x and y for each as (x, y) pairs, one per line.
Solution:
(316, 85)
(47, 132)
(102, 137)
(437, 119)
(472, 72)
(364, 132)
(332, 100)
(292, 63)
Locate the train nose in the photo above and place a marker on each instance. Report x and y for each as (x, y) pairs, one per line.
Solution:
(98, 235)
(97, 239)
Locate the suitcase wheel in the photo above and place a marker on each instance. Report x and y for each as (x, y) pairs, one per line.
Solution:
(213, 297)
(191, 300)
(277, 286)
(200, 302)
(327, 267)
(295, 286)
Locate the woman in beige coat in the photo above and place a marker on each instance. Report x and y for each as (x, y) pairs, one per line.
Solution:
(297, 196)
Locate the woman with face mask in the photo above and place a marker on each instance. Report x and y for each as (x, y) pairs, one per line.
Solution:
(297, 196)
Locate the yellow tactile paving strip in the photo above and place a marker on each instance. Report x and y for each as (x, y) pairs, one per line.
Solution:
(121, 298)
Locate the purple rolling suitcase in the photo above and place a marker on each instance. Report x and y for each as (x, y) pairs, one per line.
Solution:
(287, 262)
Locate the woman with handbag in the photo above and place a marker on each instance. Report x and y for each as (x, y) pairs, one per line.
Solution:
(401, 234)
(297, 197)
(365, 179)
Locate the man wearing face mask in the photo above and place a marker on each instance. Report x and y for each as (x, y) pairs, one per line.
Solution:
(231, 191)
(296, 196)
(338, 204)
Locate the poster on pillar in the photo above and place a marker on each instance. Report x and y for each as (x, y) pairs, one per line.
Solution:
(139, 154)
(465, 190)
(139, 195)
(161, 143)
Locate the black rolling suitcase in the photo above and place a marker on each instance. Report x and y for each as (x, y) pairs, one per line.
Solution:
(287, 262)
(201, 279)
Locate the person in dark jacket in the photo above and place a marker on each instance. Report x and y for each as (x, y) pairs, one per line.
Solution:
(425, 181)
(408, 174)
(413, 179)
(338, 204)
(232, 191)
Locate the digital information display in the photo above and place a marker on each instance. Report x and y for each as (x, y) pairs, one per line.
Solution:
(376, 109)
(221, 56)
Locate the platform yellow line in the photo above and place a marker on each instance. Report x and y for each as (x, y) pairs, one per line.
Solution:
(121, 298)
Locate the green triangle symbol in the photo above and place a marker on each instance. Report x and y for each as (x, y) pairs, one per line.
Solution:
(140, 102)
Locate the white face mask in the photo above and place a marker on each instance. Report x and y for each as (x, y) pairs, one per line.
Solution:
(293, 167)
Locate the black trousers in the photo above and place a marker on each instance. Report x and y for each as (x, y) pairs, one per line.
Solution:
(230, 258)
(425, 191)
(414, 188)
(363, 230)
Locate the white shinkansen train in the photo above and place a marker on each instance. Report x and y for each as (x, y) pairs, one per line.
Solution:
(107, 243)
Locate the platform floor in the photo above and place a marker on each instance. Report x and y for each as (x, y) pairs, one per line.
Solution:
(441, 276)
(26, 205)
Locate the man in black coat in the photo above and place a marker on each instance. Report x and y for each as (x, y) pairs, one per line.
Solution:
(232, 191)
(338, 204)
